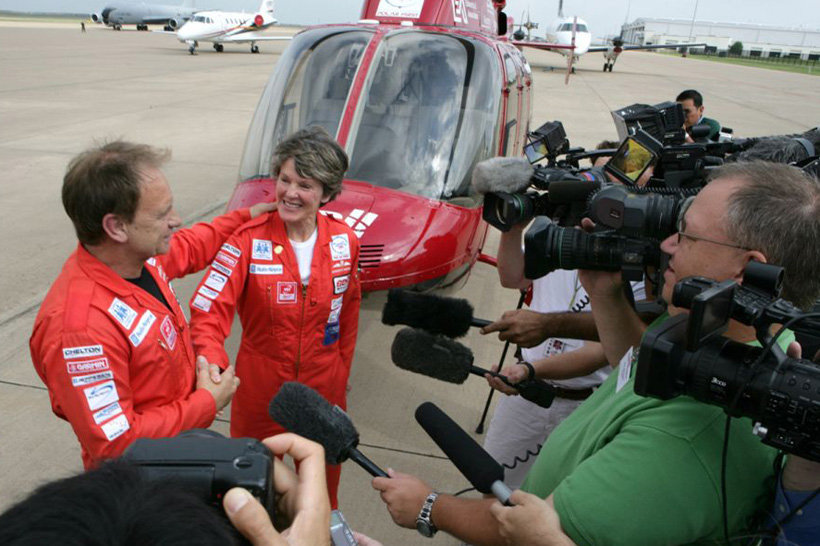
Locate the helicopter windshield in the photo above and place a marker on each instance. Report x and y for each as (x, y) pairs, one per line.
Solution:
(427, 114)
(309, 87)
(426, 90)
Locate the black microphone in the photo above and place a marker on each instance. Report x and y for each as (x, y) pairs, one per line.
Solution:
(478, 466)
(305, 412)
(502, 174)
(439, 315)
(442, 358)
(572, 191)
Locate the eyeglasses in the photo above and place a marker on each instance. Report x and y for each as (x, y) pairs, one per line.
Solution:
(682, 227)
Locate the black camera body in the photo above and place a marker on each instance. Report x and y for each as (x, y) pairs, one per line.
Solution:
(548, 247)
(207, 464)
(664, 121)
(686, 355)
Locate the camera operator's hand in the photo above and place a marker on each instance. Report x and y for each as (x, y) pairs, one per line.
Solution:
(523, 327)
(515, 374)
(599, 285)
(404, 496)
(222, 387)
(532, 521)
(302, 498)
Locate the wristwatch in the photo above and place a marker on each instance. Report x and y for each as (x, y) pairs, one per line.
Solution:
(424, 525)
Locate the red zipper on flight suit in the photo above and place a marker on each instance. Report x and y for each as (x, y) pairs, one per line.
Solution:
(301, 325)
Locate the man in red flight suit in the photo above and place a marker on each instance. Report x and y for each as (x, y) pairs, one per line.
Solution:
(110, 340)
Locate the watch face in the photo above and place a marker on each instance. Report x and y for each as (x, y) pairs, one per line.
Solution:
(424, 528)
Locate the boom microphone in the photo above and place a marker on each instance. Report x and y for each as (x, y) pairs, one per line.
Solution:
(439, 315)
(572, 191)
(305, 412)
(502, 174)
(442, 358)
(478, 466)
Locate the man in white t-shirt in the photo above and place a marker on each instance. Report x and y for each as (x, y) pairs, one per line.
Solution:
(575, 368)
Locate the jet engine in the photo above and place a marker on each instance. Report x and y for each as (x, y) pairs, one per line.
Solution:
(96, 17)
(175, 23)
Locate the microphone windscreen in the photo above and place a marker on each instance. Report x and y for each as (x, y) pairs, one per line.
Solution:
(502, 174)
(435, 356)
(305, 412)
(478, 466)
(436, 314)
(571, 191)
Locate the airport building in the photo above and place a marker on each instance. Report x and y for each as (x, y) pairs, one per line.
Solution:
(758, 40)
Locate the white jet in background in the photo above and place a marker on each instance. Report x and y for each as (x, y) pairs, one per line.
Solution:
(225, 27)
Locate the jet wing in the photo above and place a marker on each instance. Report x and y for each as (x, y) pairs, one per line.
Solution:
(250, 37)
(593, 49)
(544, 46)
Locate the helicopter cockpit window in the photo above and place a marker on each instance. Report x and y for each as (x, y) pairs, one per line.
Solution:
(309, 87)
(425, 92)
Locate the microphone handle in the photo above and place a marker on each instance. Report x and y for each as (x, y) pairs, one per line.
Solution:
(535, 391)
(481, 371)
(480, 323)
(358, 457)
(502, 492)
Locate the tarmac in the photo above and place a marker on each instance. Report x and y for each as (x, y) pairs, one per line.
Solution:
(62, 90)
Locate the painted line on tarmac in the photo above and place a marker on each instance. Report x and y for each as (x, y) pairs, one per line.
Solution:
(395, 450)
(33, 303)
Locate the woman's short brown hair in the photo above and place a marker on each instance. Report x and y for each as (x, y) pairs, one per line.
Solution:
(315, 155)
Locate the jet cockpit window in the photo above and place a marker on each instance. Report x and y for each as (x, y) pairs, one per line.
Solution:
(429, 115)
(567, 27)
(308, 87)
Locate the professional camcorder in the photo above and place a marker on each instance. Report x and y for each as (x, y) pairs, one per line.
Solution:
(686, 355)
(663, 121)
(207, 464)
(631, 222)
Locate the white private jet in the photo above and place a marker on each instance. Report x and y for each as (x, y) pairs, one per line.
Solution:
(224, 27)
(570, 36)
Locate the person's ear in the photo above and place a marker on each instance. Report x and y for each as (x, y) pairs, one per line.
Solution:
(115, 228)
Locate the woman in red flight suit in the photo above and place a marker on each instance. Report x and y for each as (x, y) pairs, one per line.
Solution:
(293, 275)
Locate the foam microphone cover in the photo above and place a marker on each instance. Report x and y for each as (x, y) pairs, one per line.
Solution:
(432, 355)
(436, 314)
(471, 459)
(502, 174)
(304, 411)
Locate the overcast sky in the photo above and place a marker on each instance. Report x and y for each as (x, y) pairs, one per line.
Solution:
(603, 16)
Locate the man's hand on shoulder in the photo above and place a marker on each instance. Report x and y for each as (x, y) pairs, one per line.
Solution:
(404, 496)
(221, 386)
(261, 208)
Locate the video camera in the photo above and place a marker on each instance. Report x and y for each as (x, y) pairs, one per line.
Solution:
(207, 464)
(686, 355)
(663, 121)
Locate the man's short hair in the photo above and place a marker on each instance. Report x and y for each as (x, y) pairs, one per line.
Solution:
(607, 145)
(777, 212)
(105, 180)
(315, 155)
(696, 97)
(114, 505)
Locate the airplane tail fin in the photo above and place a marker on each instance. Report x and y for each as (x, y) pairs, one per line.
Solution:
(560, 8)
(266, 7)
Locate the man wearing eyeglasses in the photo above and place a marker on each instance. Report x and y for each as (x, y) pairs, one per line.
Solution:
(692, 103)
(628, 470)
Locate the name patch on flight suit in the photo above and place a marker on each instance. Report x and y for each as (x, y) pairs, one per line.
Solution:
(286, 292)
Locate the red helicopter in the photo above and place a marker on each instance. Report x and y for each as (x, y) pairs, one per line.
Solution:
(417, 93)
